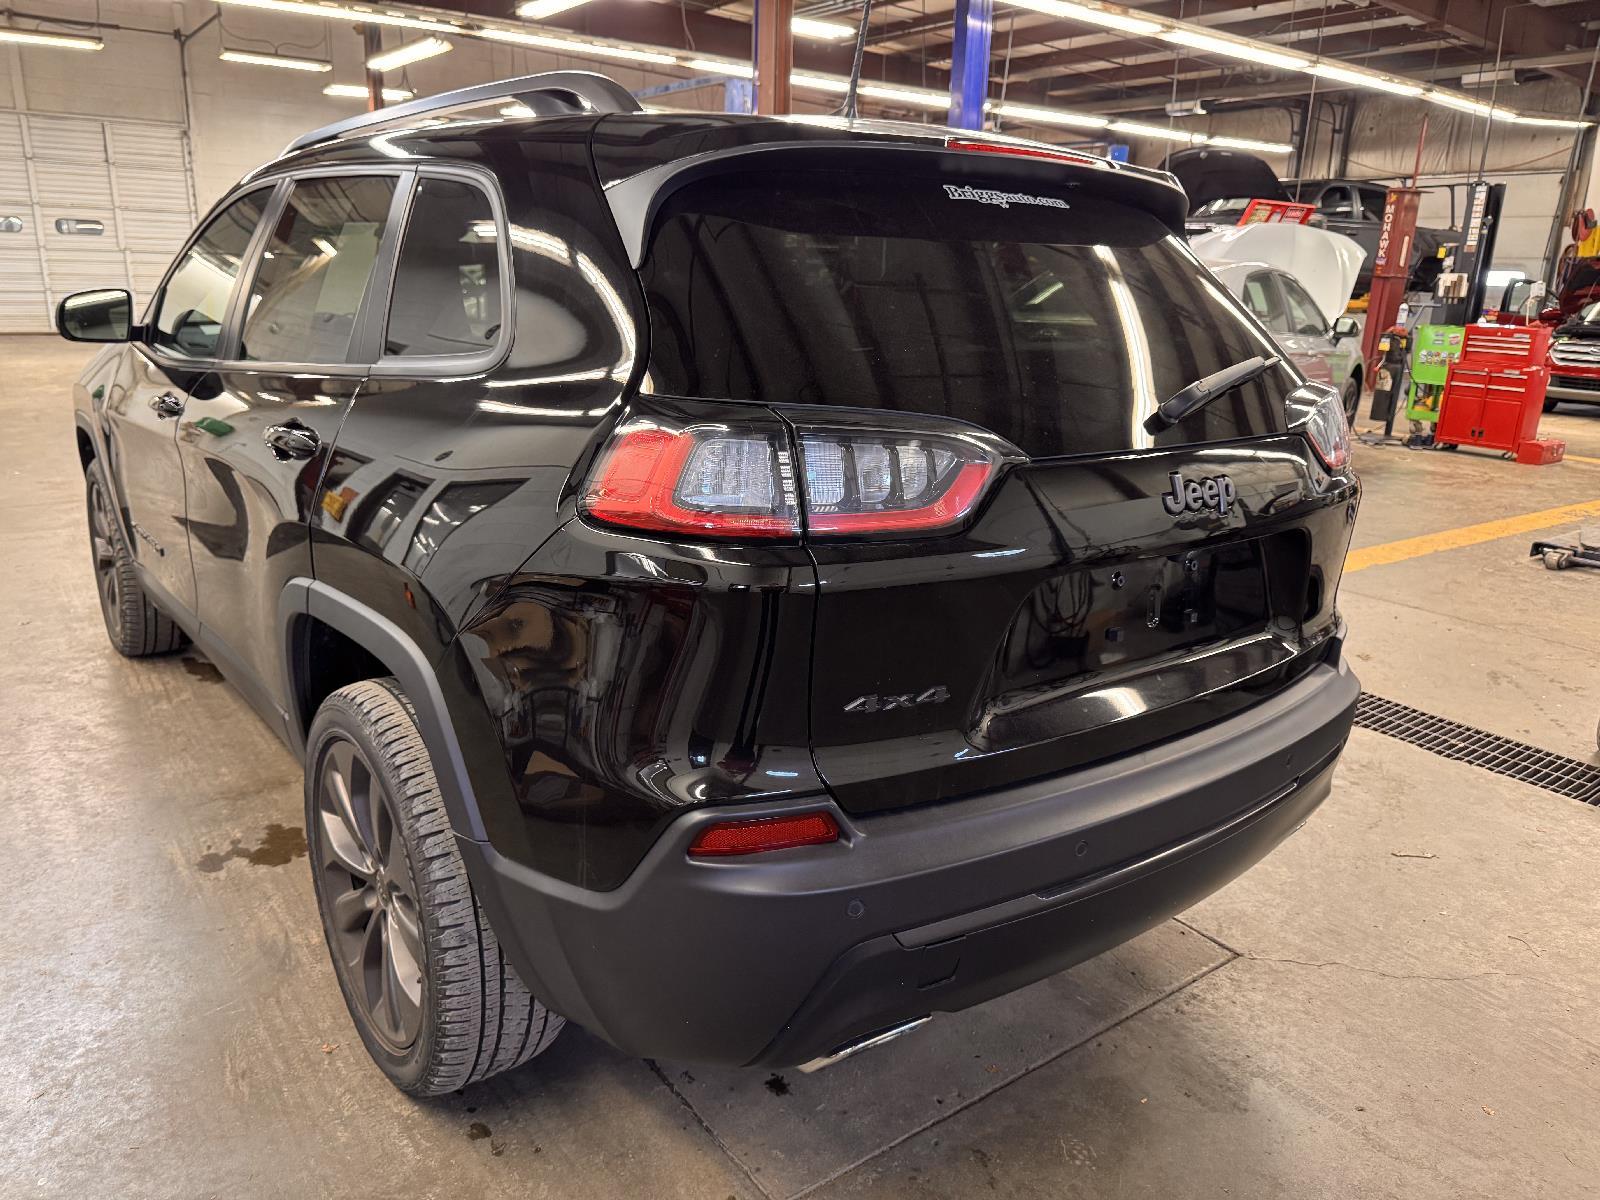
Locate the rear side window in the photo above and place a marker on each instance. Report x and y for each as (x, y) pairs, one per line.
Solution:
(1261, 298)
(1057, 321)
(1304, 315)
(447, 282)
(315, 269)
(194, 302)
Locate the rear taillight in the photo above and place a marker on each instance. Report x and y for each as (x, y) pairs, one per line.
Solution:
(1317, 411)
(706, 480)
(763, 834)
(856, 483)
(738, 482)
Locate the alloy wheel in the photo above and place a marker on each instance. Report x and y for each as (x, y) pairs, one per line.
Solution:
(107, 582)
(370, 895)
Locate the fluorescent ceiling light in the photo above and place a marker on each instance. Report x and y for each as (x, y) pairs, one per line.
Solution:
(404, 56)
(337, 12)
(822, 83)
(911, 96)
(1552, 122)
(1249, 51)
(712, 67)
(1476, 107)
(287, 61)
(538, 10)
(1089, 15)
(1049, 116)
(61, 41)
(576, 46)
(1157, 131)
(1233, 143)
(828, 31)
(357, 91)
(1365, 79)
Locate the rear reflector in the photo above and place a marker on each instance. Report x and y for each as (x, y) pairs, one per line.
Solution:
(765, 833)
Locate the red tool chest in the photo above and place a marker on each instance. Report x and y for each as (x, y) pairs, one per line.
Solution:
(1494, 393)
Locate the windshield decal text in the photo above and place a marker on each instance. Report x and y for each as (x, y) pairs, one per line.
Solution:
(957, 191)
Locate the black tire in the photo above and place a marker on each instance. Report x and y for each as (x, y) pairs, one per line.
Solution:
(473, 1017)
(1352, 399)
(136, 627)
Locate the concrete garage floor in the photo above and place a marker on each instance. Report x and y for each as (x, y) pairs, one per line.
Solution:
(1402, 1001)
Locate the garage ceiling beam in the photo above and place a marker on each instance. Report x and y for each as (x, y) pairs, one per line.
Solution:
(1155, 99)
(1333, 43)
(1531, 30)
(1162, 65)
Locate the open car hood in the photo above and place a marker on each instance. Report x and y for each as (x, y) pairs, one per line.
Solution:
(1326, 264)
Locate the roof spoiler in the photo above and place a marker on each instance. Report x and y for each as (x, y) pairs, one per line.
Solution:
(548, 94)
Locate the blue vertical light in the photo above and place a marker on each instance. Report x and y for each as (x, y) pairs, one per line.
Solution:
(969, 62)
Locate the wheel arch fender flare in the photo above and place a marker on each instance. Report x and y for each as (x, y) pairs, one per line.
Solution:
(303, 598)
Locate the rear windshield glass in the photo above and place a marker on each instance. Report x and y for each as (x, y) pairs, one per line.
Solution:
(1056, 319)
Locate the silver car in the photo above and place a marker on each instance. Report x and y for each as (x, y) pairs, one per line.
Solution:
(1327, 354)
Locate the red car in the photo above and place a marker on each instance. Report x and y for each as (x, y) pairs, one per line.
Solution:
(1575, 359)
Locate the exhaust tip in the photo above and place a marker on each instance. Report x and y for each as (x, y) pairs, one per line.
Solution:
(860, 1044)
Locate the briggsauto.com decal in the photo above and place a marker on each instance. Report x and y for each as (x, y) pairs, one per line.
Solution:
(957, 191)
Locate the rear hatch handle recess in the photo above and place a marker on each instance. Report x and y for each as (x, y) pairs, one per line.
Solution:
(1203, 391)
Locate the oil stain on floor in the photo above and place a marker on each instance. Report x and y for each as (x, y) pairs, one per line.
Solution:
(202, 670)
(280, 845)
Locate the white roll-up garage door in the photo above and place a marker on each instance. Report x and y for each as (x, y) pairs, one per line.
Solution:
(85, 204)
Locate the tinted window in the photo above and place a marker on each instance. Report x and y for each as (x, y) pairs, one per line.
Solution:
(314, 270)
(1055, 327)
(191, 308)
(1374, 201)
(447, 283)
(1304, 315)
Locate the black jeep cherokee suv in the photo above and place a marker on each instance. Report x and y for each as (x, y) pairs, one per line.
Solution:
(741, 584)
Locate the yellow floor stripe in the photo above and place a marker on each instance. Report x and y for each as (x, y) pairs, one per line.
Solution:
(1580, 458)
(1467, 535)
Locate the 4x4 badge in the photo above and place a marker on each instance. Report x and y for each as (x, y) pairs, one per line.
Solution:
(875, 703)
(1215, 491)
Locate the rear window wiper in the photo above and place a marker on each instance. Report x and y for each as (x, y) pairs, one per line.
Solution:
(1203, 391)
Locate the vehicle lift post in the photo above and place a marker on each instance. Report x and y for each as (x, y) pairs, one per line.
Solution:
(1391, 266)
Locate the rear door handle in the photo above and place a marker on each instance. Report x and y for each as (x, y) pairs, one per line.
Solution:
(166, 405)
(291, 440)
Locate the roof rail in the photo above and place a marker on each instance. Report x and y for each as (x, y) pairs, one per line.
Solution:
(549, 93)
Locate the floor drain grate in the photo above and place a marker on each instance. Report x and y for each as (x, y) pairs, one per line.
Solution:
(1464, 743)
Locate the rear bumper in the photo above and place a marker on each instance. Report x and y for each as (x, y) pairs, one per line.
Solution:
(787, 956)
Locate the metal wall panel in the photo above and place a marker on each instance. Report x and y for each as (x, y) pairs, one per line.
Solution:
(68, 139)
(132, 178)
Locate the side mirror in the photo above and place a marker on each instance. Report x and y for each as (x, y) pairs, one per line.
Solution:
(1345, 327)
(101, 316)
(1550, 316)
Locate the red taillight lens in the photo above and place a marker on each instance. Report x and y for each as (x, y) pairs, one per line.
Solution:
(1318, 412)
(738, 480)
(890, 482)
(765, 833)
(709, 481)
